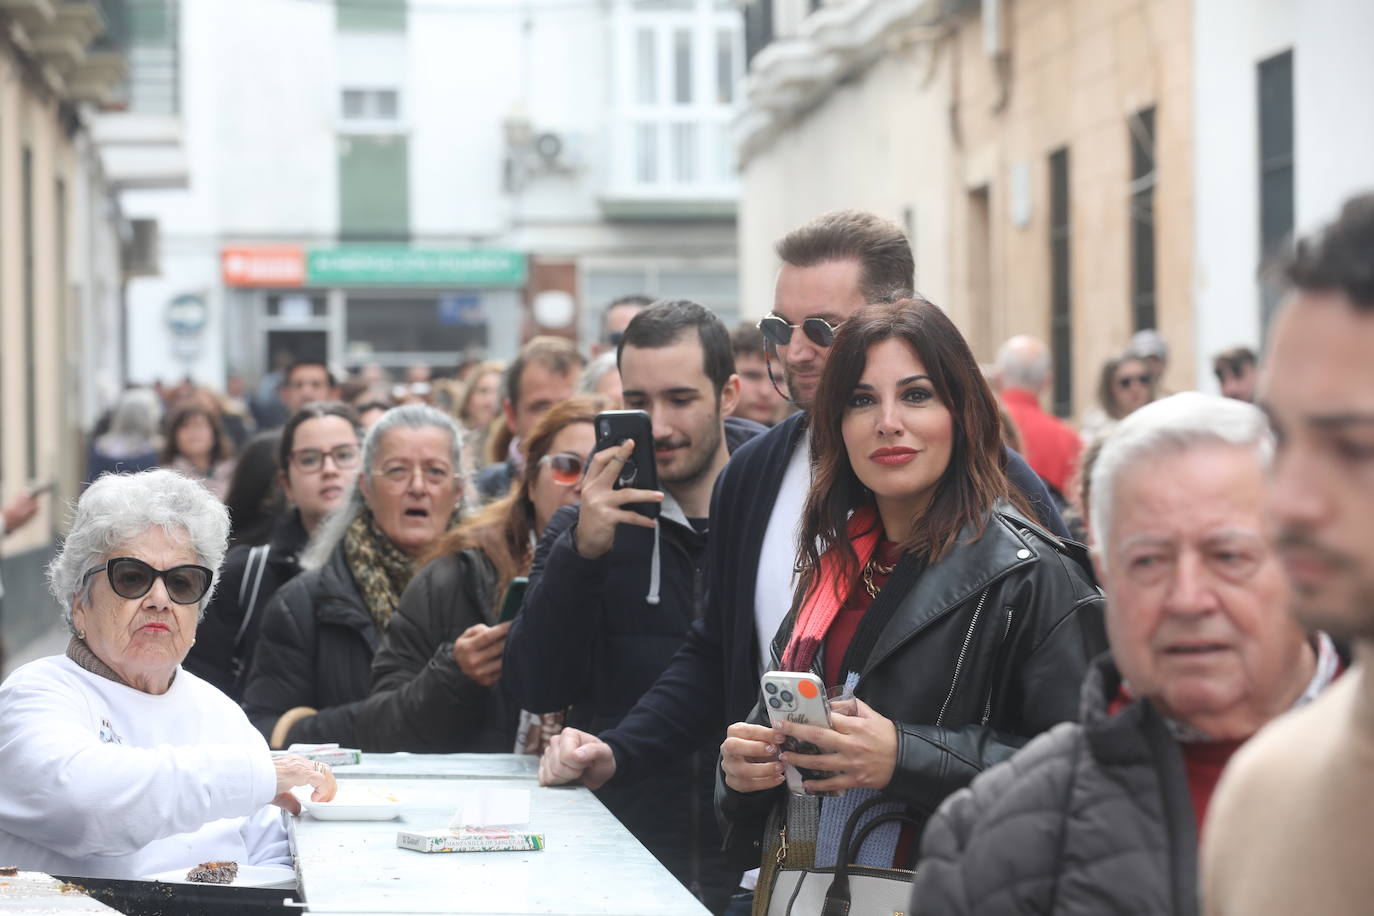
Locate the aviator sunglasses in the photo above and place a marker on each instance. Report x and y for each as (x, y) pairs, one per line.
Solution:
(565, 468)
(131, 578)
(778, 332)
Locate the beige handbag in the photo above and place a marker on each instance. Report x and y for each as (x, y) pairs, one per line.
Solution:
(846, 888)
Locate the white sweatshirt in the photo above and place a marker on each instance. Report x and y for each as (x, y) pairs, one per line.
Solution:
(101, 780)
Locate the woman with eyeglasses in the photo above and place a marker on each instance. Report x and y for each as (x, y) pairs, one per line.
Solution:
(118, 763)
(311, 665)
(317, 458)
(927, 592)
(1124, 387)
(434, 676)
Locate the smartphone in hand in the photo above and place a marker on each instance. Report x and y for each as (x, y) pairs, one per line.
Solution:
(515, 596)
(639, 470)
(796, 696)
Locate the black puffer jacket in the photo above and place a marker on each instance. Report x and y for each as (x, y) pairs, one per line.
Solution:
(315, 650)
(421, 701)
(1088, 819)
(225, 641)
(985, 651)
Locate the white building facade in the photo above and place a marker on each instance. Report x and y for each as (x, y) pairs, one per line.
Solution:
(393, 183)
(1283, 136)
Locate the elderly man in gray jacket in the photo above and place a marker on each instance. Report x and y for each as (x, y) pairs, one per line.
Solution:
(1103, 816)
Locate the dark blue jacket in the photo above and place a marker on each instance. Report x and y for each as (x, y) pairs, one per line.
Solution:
(588, 639)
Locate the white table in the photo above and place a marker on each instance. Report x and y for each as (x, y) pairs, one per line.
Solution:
(35, 892)
(442, 766)
(591, 864)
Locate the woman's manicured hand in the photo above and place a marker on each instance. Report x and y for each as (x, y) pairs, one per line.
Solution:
(749, 758)
(861, 750)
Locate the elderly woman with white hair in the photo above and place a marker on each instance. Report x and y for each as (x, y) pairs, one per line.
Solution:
(117, 762)
(312, 665)
(1103, 816)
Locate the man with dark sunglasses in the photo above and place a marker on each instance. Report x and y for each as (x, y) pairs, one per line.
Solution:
(830, 268)
(612, 593)
(617, 315)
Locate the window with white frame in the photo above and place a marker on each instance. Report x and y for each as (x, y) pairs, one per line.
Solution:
(680, 61)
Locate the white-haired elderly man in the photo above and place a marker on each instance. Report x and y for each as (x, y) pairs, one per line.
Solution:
(1103, 816)
(117, 762)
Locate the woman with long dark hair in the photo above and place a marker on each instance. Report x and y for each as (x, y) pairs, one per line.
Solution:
(433, 676)
(927, 592)
(255, 497)
(316, 459)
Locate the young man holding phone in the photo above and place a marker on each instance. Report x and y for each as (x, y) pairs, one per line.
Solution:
(613, 591)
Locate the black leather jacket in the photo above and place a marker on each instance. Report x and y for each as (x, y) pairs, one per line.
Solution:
(987, 650)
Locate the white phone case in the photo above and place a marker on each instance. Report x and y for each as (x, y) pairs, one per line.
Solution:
(793, 696)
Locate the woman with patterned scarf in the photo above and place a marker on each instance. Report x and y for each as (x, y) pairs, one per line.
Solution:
(313, 660)
(926, 591)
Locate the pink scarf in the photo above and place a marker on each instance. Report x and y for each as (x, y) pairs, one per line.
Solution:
(828, 593)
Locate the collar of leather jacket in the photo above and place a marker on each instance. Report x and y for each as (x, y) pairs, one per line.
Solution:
(1008, 542)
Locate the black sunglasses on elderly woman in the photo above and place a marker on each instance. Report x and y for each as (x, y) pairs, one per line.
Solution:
(132, 578)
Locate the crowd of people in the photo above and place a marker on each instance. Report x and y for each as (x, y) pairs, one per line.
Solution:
(1048, 646)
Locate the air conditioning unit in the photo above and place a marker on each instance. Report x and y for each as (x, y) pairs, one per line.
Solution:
(555, 153)
(141, 249)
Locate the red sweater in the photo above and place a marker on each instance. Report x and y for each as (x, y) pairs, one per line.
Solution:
(1203, 762)
(1052, 447)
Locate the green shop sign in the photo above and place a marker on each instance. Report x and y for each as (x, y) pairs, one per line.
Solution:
(414, 267)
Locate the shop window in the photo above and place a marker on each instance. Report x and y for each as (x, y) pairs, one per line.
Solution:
(448, 323)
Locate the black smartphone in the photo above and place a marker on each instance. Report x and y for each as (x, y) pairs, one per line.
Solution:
(515, 596)
(639, 470)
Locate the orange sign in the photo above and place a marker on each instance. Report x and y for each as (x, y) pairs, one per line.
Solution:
(263, 265)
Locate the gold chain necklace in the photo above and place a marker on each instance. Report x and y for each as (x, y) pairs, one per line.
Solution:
(870, 568)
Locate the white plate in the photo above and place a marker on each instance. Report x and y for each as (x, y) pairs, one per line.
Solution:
(278, 876)
(353, 804)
